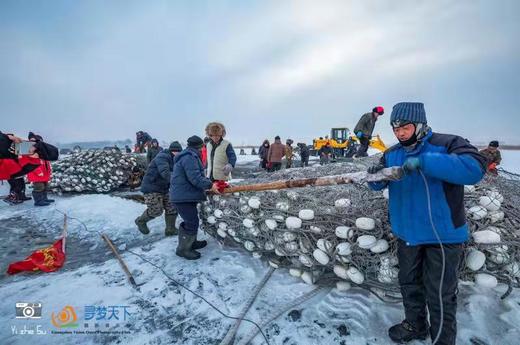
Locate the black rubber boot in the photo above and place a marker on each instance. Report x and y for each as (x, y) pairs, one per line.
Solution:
(39, 199)
(47, 198)
(405, 332)
(24, 197)
(199, 244)
(141, 222)
(184, 249)
(170, 230)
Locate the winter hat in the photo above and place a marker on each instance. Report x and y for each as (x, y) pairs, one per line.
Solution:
(379, 109)
(195, 142)
(493, 143)
(34, 137)
(215, 128)
(277, 137)
(408, 112)
(175, 146)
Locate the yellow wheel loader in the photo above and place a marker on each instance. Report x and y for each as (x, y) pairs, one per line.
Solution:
(344, 143)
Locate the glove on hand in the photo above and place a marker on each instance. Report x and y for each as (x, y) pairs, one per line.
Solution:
(227, 169)
(411, 164)
(359, 135)
(375, 168)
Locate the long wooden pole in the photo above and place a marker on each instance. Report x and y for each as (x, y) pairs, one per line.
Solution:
(386, 174)
(120, 259)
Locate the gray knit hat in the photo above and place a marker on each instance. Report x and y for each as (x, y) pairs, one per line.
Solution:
(408, 112)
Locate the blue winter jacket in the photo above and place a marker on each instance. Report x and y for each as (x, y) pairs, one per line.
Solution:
(158, 174)
(448, 162)
(188, 183)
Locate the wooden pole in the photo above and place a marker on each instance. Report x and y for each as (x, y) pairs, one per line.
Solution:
(386, 174)
(120, 259)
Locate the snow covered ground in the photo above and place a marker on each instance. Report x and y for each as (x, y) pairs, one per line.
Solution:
(161, 312)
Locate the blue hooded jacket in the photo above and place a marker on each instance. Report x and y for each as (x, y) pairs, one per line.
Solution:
(448, 162)
(188, 183)
(158, 174)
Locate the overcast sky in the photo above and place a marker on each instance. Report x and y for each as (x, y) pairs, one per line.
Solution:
(93, 70)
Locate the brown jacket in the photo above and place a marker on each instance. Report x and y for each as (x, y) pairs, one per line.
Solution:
(492, 157)
(276, 152)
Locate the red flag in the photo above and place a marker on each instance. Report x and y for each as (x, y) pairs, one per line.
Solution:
(47, 259)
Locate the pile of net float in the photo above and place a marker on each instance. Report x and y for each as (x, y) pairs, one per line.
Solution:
(341, 234)
(95, 171)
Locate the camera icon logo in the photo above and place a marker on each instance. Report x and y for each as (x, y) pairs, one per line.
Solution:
(28, 310)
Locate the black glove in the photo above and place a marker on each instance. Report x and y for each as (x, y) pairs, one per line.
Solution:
(375, 168)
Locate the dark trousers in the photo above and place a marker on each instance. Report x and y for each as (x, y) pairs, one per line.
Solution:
(17, 186)
(276, 166)
(263, 164)
(190, 216)
(305, 161)
(363, 147)
(420, 270)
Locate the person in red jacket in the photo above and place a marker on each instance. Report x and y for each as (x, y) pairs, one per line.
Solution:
(40, 177)
(11, 165)
(204, 153)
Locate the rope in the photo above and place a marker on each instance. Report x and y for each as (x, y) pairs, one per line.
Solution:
(233, 330)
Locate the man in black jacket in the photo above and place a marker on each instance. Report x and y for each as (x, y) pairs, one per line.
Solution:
(155, 187)
(365, 128)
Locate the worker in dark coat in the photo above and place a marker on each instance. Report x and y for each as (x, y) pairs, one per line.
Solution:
(155, 188)
(263, 152)
(188, 187)
(365, 128)
(304, 154)
(153, 150)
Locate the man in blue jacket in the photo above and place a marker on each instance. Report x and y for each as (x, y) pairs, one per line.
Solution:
(426, 210)
(155, 187)
(188, 188)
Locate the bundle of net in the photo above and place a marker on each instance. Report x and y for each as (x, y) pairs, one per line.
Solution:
(341, 234)
(98, 171)
(492, 255)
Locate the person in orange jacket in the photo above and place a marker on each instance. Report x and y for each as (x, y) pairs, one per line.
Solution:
(40, 177)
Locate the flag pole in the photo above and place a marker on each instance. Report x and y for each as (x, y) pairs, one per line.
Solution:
(64, 233)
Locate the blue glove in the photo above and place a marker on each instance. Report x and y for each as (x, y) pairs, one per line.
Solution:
(359, 135)
(412, 164)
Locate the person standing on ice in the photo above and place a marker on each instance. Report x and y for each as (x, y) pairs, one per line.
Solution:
(188, 187)
(493, 156)
(426, 209)
(155, 188)
(275, 154)
(40, 177)
(262, 153)
(153, 150)
(289, 153)
(304, 154)
(12, 165)
(365, 128)
(221, 157)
